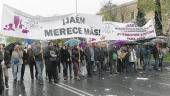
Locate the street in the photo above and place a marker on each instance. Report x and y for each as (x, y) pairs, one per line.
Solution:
(151, 83)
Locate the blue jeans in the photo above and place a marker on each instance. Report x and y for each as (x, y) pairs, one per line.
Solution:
(147, 63)
(16, 70)
(40, 66)
(156, 63)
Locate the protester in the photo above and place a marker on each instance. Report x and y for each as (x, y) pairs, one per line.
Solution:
(161, 56)
(121, 60)
(127, 59)
(83, 63)
(24, 63)
(17, 61)
(76, 62)
(89, 51)
(38, 55)
(99, 59)
(1, 81)
(58, 58)
(31, 62)
(70, 61)
(113, 60)
(132, 58)
(138, 57)
(5, 64)
(147, 58)
(50, 58)
(106, 59)
(65, 58)
(156, 56)
(1, 71)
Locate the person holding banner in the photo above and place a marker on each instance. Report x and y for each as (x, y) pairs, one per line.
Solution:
(70, 61)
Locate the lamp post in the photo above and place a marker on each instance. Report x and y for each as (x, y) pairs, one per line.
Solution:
(110, 9)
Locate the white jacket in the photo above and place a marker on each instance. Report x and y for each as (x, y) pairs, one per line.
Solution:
(132, 56)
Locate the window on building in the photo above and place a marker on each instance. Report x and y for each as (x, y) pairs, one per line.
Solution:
(132, 15)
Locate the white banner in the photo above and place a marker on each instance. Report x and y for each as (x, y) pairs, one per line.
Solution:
(19, 24)
(127, 31)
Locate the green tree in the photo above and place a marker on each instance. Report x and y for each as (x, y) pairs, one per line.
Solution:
(158, 18)
(106, 11)
(146, 5)
(13, 39)
(140, 19)
(151, 6)
(58, 41)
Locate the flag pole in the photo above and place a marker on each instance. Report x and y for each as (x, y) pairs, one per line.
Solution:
(76, 7)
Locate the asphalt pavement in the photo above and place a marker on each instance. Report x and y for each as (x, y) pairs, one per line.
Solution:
(151, 83)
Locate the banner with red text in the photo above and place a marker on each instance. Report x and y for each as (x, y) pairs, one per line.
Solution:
(127, 31)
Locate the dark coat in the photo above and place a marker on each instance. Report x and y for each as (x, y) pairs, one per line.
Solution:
(30, 57)
(88, 54)
(82, 55)
(25, 56)
(75, 54)
(57, 51)
(155, 52)
(7, 57)
(99, 54)
(1, 81)
(64, 54)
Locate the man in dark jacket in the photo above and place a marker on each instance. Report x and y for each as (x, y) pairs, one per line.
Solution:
(25, 55)
(7, 58)
(99, 58)
(50, 58)
(31, 62)
(89, 51)
(156, 56)
(65, 58)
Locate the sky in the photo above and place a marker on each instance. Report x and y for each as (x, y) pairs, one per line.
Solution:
(57, 7)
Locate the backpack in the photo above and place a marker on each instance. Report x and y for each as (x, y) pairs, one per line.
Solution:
(114, 56)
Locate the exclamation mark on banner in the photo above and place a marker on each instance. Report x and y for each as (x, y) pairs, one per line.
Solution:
(99, 32)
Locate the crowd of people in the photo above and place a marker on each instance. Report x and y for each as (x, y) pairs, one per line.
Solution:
(83, 62)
